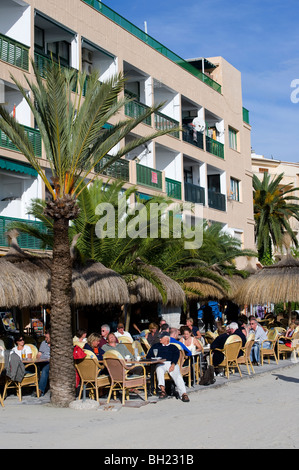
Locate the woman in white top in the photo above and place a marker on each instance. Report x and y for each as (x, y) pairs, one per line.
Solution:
(190, 342)
(21, 348)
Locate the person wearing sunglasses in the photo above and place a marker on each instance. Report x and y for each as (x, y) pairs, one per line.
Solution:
(21, 349)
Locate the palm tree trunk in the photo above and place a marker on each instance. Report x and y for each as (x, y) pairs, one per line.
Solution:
(62, 370)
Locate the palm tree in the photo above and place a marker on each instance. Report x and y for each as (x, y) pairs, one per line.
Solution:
(274, 205)
(75, 140)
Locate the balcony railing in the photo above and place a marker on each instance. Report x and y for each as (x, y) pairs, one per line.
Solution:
(163, 122)
(135, 109)
(214, 147)
(216, 200)
(246, 115)
(14, 53)
(24, 240)
(137, 32)
(194, 193)
(193, 137)
(33, 135)
(118, 169)
(173, 188)
(149, 176)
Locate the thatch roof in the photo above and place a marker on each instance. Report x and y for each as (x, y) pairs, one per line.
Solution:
(93, 283)
(209, 289)
(276, 283)
(16, 288)
(142, 290)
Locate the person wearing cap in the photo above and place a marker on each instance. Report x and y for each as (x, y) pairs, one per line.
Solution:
(170, 352)
(121, 332)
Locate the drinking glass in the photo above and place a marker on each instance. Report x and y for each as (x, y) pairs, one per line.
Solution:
(155, 351)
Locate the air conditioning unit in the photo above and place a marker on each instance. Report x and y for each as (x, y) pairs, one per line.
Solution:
(86, 68)
(87, 55)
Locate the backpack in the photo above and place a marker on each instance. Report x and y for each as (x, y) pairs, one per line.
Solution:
(207, 377)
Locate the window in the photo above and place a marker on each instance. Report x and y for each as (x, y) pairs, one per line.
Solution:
(234, 189)
(232, 134)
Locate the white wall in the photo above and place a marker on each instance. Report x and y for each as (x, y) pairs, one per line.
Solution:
(15, 21)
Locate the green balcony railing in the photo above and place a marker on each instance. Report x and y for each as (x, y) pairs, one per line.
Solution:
(193, 137)
(163, 122)
(149, 176)
(14, 52)
(131, 28)
(194, 193)
(135, 109)
(214, 147)
(246, 115)
(24, 240)
(216, 200)
(34, 137)
(173, 188)
(118, 169)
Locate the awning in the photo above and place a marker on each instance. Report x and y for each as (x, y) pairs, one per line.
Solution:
(11, 165)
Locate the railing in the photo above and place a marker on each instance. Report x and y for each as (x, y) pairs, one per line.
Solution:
(135, 109)
(173, 188)
(149, 176)
(194, 193)
(131, 28)
(14, 53)
(33, 135)
(193, 137)
(246, 115)
(24, 240)
(118, 169)
(214, 147)
(216, 200)
(163, 122)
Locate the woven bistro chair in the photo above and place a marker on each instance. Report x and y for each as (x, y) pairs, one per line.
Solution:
(145, 344)
(1, 370)
(33, 349)
(121, 375)
(283, 349)
(245, 358)
(272, 337)
(89, 371)
(230, 351)
(124, 339)
(30, 379)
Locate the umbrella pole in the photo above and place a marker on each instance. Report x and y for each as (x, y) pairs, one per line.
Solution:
(128, 317)
(290, 312)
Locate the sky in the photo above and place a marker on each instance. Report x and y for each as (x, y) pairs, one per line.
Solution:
(258, 37)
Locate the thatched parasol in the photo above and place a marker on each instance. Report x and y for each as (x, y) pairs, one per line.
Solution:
(93, 283)
(209, 289)
(16, 288)
(276, 283)
(142, 290)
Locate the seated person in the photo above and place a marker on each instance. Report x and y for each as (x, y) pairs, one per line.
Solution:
(190, 341)
(44, 354)
(218, 343)
(233, 329)
(112, 344)
(93, 344)
(194, 330)
(260, 336)
(153, 335)
(171, 353)
(174, 335)
(121, 332)
(22, 348)
(81, 336)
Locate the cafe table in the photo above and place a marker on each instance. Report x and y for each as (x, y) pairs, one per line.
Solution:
(151, 363)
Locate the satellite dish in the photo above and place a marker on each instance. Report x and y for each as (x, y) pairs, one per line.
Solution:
(219, 128)
(199, 124)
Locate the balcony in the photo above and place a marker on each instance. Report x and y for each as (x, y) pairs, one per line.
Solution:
(163, 122)
(137, 32)
(149, 177)
(194, 193)
(33, 135)
(24, 240)
(214, 147)
(246, 115)
(118, 169)
(135, 109)
(173, 188)
(193, 137)
(216, 200)
(14, 53)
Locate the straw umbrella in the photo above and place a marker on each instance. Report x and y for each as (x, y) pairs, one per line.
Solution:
(276, 283)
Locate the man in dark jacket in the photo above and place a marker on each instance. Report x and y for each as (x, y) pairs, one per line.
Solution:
(235, 330)
(170, 352)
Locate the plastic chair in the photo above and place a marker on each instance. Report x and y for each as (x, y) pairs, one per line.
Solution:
(89, 372)
(119, 374)
(231, 351)
(272, 337)
(30, 379)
